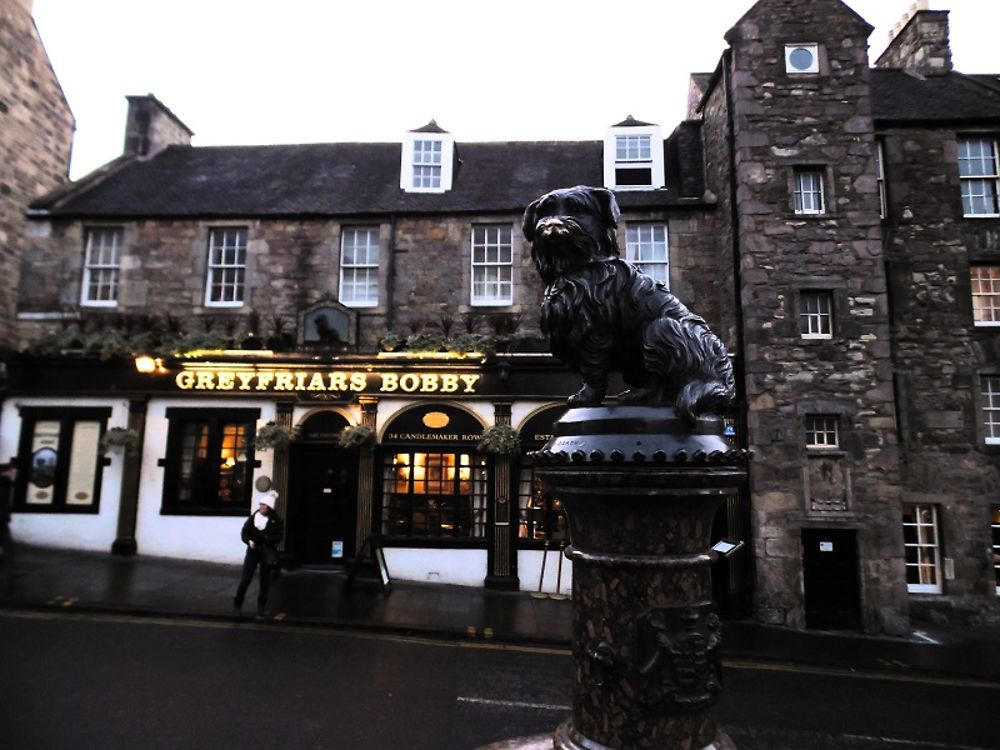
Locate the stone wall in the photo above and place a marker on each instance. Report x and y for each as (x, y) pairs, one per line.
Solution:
(922, 46)
(940, 355)
(36, 134)
(822, 121)
(292, 264)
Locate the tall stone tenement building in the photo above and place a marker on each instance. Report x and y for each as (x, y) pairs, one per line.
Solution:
(836, 223)
(36, 134)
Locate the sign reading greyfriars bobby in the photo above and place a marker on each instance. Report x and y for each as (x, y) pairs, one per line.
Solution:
(640, 481)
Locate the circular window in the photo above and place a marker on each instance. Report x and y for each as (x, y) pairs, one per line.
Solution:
(802, 59)
(43, 467)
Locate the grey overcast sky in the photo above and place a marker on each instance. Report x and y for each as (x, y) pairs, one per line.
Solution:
(302, 71)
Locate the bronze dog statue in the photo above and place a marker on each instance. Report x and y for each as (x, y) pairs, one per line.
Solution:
(601, 313)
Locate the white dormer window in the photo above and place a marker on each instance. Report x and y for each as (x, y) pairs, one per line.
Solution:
(633, 156)
(427, 158)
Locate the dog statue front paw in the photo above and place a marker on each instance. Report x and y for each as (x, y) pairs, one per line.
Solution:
(586, 396)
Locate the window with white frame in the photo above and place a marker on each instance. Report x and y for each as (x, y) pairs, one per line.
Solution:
(427, 164)
(492, 265)
(633, 156)
(227, 264)
(802, 58)
(807, 192)
(101, 267)
(822, 431)
(991, 408)
(995, 532)
(922, 548)
(980, 175)
(883, 201)
(985, 295)
(359, 266)
(646, 247)
(816, 314)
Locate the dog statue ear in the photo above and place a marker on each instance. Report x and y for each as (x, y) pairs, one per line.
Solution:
(528, 222)
(609, 206)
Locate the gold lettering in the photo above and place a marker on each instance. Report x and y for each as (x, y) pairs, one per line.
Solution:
(264, 380)
(470, 382)
(283, 381)
(449, 383)
(185, 380)
(409, 382)
(205, 381)
(245, 379)
(359, 381)
(300, 381)
(390, 382)
(316, 383)
(428, 383)
(225, 381)
(338, 381)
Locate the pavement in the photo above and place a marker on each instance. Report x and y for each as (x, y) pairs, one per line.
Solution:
(73, 581)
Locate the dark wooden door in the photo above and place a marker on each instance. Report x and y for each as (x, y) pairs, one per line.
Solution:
(323, 489)
(830, 571)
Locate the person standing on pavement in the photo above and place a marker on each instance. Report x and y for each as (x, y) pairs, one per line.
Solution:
(261, 534)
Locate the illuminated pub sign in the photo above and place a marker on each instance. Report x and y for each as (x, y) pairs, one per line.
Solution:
(434, 423)
(311, 380)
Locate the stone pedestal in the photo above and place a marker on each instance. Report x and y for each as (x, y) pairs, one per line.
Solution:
(641, 488)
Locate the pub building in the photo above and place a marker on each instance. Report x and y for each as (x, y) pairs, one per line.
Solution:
(443, 510)
(180, 303)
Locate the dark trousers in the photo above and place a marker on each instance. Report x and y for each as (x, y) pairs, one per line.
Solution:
(250, 562)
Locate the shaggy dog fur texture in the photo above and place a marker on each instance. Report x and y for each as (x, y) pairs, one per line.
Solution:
(601, 313)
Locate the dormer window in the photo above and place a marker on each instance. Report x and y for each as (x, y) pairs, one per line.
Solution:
(633, 156)
(427, 157)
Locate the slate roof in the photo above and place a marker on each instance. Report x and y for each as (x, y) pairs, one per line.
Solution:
(336, 179)
(900, 97)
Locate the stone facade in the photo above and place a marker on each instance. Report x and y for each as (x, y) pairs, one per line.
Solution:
(36, 134)
(921, 46)
(784, 122)
(940, 357)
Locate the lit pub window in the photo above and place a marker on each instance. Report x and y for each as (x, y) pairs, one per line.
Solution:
(209, 463)
(429, 494)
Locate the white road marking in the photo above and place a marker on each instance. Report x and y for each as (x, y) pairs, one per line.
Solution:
(514, 704)
(910, 743)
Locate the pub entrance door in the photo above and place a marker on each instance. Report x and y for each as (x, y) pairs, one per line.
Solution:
(830, 572)
(323, 496)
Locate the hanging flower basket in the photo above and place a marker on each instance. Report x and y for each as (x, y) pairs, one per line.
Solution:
(357, 436)
(120, 437)
(272, 436)
(500, 439)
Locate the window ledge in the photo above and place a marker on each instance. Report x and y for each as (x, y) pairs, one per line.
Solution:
(225, 304)
(98, 303)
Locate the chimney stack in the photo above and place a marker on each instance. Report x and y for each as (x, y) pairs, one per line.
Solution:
(151, 127)
(919, 43)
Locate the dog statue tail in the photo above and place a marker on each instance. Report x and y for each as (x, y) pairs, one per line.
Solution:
(700, 396)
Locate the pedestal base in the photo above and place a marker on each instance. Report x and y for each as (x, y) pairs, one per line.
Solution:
(566, 739)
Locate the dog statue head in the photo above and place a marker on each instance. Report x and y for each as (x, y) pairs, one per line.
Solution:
(570, 228)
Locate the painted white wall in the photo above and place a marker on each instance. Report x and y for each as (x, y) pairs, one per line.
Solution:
(529, 569)
(462, 567)
(211, 538)
(84, 531)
